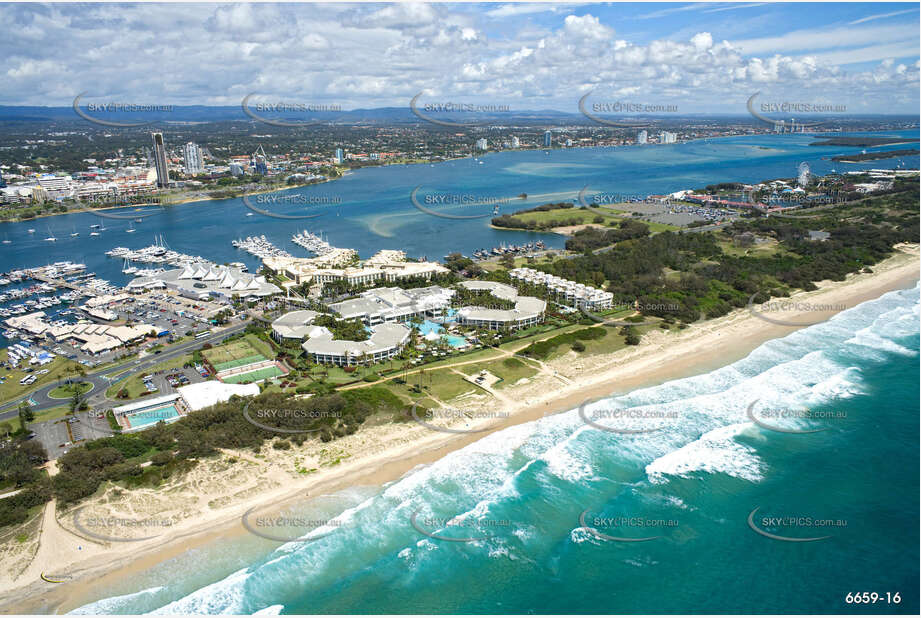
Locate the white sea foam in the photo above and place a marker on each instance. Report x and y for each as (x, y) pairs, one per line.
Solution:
(715, 452)
(115, 605)
(814, 366)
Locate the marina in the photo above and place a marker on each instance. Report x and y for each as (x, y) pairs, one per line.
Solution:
(259, 246)
(313, 243)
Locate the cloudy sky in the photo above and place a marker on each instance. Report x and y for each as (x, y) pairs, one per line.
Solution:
(701, 57)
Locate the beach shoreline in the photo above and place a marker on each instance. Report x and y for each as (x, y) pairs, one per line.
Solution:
(661, 357)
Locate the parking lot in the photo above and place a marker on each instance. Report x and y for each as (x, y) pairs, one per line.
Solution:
(166, 382)
(679, 214)
(55, 438)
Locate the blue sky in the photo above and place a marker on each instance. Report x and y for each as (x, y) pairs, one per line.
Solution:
(700, 57)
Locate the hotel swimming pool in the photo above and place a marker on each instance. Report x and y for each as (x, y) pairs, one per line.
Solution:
(433, 327)
(150, 417)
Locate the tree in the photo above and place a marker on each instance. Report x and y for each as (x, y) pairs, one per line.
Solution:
(26, 416)
(75, 401)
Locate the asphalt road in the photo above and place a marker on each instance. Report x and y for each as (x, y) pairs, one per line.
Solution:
(101, 380)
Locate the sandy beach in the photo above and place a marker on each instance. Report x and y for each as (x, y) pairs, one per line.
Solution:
(209, 501)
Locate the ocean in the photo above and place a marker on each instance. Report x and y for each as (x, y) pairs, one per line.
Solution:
(709, 511)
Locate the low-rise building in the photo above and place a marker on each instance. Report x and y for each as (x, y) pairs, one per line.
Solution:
(527, 312)
(386, 265)
(201, 280)
(581, 295)
(295, 325)
(386, 341)
(395, 304)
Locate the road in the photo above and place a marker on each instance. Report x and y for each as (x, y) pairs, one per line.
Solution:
(102, 379)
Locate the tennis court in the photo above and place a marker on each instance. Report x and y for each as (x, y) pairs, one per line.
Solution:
(264, 373)
(234, 354)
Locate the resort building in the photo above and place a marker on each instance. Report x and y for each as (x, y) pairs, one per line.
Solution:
(296, 325)
(170, 408)
(384, 266)
(578, 294)
(386, 341)
(395, 304)
(201, 280)
(527, 312)
(206, 394)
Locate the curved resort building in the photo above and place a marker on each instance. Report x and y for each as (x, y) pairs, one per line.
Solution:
(386, 341)
(528, 310)
(296, 325)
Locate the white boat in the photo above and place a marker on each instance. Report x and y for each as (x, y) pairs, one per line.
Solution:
(31, 230)
(94, 233)
(249, 214)
(130, 230)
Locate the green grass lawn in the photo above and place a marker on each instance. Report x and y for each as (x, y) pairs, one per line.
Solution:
(444, 384)
(564, 215)
(589, 216)
(66, 391)
(262, 347)
(45, 415)
(509, 369)
(226, 355)
(135, 385)
(59, 368)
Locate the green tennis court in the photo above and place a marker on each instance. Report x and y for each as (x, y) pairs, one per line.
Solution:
(254, 376)
(246, 360)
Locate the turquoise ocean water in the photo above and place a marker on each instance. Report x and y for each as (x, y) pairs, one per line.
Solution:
(692, 485)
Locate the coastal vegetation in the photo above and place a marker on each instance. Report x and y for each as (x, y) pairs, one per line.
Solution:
(149, 457)
(876, 156)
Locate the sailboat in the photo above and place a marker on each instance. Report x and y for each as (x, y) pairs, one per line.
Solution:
(51, 237)
(7, 241)
(75, 233)
(31, 230)
(131, 230)
(128, 269)
(95, 226)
